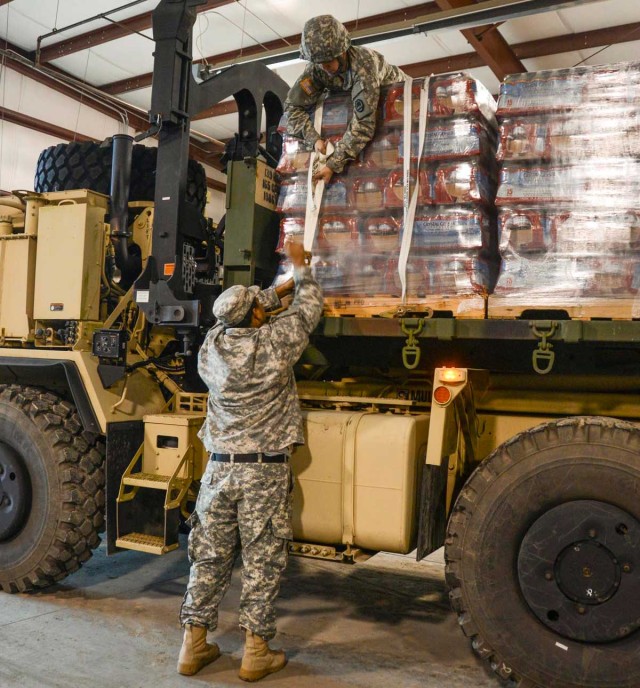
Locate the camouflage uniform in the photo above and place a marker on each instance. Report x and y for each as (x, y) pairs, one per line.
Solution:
(253, 407)
(366, 72)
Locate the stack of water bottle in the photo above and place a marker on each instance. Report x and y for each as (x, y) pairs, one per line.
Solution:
(453, 242)
(569, 194)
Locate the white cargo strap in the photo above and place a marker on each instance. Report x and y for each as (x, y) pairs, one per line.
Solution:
(406, 173)
(315, 191)
(409, 206)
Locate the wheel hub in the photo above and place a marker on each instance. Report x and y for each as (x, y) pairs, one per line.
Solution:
(588, 573)
(15, 493)
(579, 571)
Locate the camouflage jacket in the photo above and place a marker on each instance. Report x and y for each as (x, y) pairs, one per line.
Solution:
(253, 402)
(367, 72)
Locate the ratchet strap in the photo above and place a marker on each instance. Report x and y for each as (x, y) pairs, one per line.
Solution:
(410, 205)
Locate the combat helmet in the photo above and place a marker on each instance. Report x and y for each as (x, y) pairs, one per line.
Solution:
(323, 39)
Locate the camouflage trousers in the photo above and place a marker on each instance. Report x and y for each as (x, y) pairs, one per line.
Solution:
(241, 508)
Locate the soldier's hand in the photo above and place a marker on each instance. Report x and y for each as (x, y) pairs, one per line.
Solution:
(320, 146)
(324, 173)
(295, 252)
(285, 288)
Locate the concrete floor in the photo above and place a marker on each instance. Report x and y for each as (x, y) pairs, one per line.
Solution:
(385, 622)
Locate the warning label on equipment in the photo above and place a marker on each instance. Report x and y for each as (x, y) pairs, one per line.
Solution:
(267, 187)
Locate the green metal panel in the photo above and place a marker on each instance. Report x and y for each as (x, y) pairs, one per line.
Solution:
(591, 348)
(251, 233)
(446, 329)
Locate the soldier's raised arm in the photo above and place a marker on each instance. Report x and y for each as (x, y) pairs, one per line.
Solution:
(291, 329)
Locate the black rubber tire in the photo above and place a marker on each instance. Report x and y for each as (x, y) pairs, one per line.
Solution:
(87, 165)
(576, 458)
(68, 166)
(66, 470)
(197, 184)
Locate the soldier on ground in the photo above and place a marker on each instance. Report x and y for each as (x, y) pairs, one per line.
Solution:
(244, 504)
(336, 65)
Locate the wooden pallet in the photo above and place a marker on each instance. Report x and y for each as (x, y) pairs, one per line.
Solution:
(392, 306)
(587, 309)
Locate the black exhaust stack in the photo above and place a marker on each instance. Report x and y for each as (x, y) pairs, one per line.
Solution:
(128, 263)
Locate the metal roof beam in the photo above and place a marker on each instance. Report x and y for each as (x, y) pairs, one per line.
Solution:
(407, 14)
(585, 40)
(473, 15)
(554, 45)
(489, 43)
(137, 119)
(206, 153)
(404, 15)
(22, 120)
(111, 32)
(480, 14)
(226, 107)
(530, 49)
(216, 185)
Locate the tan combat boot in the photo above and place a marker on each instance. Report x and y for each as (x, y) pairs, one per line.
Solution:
(195, 653)
(258, 659)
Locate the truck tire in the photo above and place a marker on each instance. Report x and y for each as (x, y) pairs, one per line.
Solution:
(51, 489)
(87, 165)
(543, 556)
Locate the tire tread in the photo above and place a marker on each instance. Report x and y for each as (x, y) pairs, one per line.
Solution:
(509, 453)
(80, 471)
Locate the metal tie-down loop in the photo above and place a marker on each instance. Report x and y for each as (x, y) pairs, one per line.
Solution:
(411, 350)
(543, 356)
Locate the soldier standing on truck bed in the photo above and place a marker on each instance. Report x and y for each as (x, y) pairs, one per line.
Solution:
(336, 66)
(244, 504)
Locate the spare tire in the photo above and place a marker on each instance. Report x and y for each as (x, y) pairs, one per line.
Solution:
(87, 165)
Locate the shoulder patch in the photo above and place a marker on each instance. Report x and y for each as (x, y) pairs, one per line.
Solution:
(306, 85)
(361, 106)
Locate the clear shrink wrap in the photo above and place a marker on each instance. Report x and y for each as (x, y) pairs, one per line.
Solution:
(569, 192)
(371, 277)
(384, 151)
(336, 114)
(292, 199)
(561, 280)
(453, 250)
(570, 232)
(295, 157)
(460, 94)
(461, 137)
(452, 230)
(599, 183)
(585, 88)
(392, 104)
(446, 275)
(615, 134)
(460, 182)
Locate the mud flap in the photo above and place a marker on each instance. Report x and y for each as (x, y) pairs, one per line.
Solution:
(432, 522)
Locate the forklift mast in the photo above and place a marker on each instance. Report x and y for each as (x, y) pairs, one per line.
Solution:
(168, 291)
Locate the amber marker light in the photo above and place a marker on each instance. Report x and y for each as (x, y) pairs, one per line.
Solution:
(452, 375)
(442, 395)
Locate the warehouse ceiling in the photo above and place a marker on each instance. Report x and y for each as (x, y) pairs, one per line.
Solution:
(107, 44)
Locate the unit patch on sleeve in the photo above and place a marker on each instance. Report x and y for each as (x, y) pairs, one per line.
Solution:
(361, 107)
(306, 85)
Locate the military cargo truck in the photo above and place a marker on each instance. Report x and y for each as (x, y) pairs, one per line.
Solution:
(529, 480)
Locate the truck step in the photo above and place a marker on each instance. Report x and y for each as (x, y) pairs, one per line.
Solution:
(151, 544)
(153, 481)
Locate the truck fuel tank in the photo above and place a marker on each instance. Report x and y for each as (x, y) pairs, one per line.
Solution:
(357, 479)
